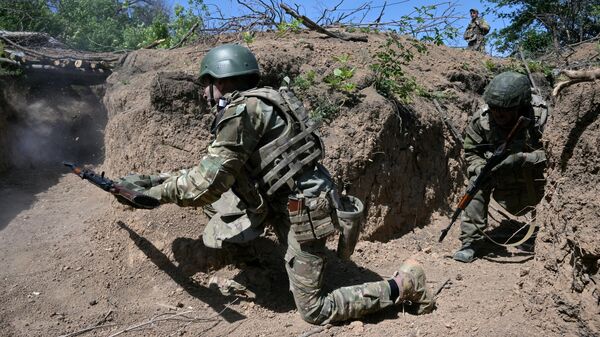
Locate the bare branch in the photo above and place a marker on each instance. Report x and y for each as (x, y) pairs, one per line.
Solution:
(576, 76)
(312, 25)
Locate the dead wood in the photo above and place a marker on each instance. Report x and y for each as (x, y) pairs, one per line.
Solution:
(314, 26)
(576, 76)
(186, 36)
(154, 44)
(5, 60)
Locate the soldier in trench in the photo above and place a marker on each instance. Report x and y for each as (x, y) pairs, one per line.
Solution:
(517, 183)
(267, 152)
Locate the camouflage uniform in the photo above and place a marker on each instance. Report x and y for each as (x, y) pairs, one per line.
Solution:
(515, 188)
(266, 151)
(474, 34)
(246, 124)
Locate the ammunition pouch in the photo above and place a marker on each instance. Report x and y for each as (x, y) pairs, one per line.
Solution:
(349, 219)
(310, 218)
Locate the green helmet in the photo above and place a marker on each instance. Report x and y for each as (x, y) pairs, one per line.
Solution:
(227, 61)
(508, 90)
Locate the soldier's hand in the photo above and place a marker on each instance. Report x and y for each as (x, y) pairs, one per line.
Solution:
(139, 182)
(509, 163)
(531, 159)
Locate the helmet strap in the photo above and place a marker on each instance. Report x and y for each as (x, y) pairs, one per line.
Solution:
(211, 99)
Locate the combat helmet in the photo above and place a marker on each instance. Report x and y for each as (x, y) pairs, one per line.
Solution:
(229, 60)
(508, 90)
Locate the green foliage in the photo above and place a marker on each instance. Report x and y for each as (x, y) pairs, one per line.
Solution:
(305, 81)
(539, 67)
(390, 79)
(491, 66)
(185, 19)
(324, 109)
(135, 37)
(539, 25)
(248, 37)
(294, 26)
(103, 25)
(6, 69)
(339, 79)
(27, 15)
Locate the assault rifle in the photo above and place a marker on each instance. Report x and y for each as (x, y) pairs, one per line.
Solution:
(133, 198)
(486, 171)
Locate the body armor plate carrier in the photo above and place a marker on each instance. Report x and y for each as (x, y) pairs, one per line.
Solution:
(296, 150)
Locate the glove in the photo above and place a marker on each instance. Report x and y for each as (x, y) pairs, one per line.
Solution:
(521, 159)
(531, 159)
(138, 183)
(510, 163)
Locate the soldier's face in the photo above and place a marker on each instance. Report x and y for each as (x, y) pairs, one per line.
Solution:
(474, 15)
(504, 117)
(218, 90)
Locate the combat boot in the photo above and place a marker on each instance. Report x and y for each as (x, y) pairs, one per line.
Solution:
(467, 252)
(413, 292)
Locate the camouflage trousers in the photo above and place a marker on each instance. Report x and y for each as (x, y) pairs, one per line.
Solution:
(477, 45)
(305, 265)
(514, 198)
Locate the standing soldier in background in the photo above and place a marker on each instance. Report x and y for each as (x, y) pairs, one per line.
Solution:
(475, 32)
(267, 152)
(517, 183)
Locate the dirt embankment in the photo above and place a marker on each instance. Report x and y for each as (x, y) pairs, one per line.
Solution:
(565, 276)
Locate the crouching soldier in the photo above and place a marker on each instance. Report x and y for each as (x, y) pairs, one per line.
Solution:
(517, 183)
(267, 152)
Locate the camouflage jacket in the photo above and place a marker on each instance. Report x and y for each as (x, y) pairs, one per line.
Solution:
(476, 29)
(241, 129)
(483, 136)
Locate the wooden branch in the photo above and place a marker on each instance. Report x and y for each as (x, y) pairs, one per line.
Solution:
(576, 76)
(154, 44)
(313, 26)
(42, 55)
(186, 36)
(5, 60)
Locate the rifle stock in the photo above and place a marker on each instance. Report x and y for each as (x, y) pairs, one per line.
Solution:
(495, 159)
(134, 198)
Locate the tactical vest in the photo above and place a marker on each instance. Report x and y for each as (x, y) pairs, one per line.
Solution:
(281, 161)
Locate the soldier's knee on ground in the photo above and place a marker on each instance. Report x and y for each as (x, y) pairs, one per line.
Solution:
(412, 285)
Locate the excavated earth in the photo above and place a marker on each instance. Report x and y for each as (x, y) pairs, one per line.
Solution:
(73, 261)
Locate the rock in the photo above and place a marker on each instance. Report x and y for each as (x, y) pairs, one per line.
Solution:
(93, 302)
(357, 326)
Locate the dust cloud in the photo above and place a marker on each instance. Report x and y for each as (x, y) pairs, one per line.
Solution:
(46, 123)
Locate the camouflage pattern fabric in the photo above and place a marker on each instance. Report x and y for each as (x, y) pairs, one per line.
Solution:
(245, 124)
(508, 187)
(305, 265)
(474, 34)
